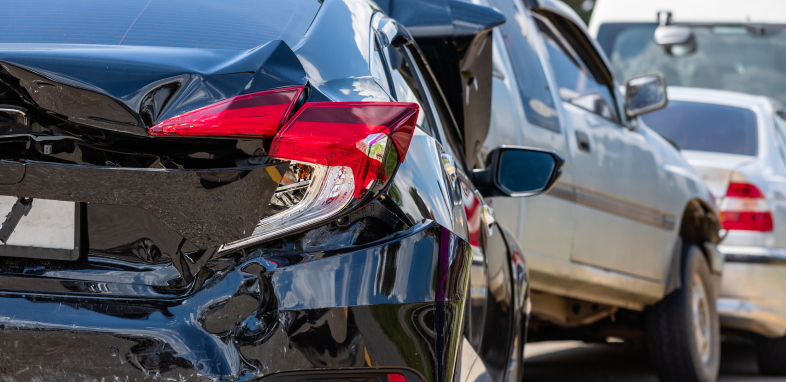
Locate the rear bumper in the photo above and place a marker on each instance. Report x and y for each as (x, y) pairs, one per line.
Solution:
(753, 291)
(395, 304)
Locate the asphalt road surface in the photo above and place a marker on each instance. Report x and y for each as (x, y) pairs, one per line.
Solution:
(576, 361)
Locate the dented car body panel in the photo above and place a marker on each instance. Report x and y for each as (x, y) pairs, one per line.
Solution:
(254, 316)
(154, 291)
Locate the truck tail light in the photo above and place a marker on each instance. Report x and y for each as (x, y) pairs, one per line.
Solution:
(745, 208)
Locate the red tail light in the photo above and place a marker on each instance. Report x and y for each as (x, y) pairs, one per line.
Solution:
(348, 134)
(745, 208)
(744, 190)
(249, 115)
(338, 150)
(396, 378)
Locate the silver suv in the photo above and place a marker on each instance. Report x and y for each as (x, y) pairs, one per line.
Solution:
(624, 245)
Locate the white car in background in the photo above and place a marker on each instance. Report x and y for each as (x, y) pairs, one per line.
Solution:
(737, 143)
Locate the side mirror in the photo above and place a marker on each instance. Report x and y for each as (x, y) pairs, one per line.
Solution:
(644, 94)
(677, 40)
(518, 171)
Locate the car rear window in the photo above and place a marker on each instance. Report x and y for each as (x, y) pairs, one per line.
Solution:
(207, 24)
(706, 127)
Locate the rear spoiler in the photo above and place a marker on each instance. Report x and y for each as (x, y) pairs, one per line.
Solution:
(455, 39)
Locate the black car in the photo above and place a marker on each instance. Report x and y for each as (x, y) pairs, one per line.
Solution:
(199, 190)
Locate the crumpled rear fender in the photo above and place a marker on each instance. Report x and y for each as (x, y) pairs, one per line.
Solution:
(394, 303)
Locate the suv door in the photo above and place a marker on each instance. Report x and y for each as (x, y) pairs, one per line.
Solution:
(619, 223)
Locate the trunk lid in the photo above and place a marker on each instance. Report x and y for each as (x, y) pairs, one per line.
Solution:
(716, 169)
(74, 125)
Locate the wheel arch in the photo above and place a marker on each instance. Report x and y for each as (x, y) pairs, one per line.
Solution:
(700, 223)
(699, 226)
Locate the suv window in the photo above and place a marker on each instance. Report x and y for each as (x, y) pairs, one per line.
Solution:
(208, 24)
(530, 75)
(576, 83)
(709, 127)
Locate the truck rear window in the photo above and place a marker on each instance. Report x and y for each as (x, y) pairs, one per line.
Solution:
(207, 24)
(709, 127)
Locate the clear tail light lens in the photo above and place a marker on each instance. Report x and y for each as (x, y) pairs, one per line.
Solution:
(249, 115)
(341, 155)
(356, 135)
(745, 208)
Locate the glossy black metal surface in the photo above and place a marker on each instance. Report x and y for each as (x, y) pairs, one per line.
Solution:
(149, 298)
(251, 317)
(452, 35)
(335, 54)
(90, 107)
(156, 83)
(520, 302)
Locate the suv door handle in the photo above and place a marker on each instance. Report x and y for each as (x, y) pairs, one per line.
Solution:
(582, 139)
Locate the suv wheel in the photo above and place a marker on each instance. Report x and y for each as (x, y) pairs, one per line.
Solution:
(771, 356)
(683, 330)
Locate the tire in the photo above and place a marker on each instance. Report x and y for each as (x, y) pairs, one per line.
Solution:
(771, 356)
(684, 348)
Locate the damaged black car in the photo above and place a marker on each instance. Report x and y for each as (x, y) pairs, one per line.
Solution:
(256, 190)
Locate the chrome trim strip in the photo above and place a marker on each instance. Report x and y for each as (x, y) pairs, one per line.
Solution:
(611, 204)
(563, 191)
(755, 259)
(21, 114)
(293, 186)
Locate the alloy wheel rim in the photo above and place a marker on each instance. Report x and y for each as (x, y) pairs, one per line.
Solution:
(701, 318)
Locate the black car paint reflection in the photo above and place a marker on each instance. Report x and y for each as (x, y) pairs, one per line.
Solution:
(153, 298)
(257, 316)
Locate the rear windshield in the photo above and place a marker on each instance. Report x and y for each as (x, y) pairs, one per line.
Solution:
(706, 127)
(207, 24)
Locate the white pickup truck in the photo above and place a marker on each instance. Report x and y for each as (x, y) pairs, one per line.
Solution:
(624, 245)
